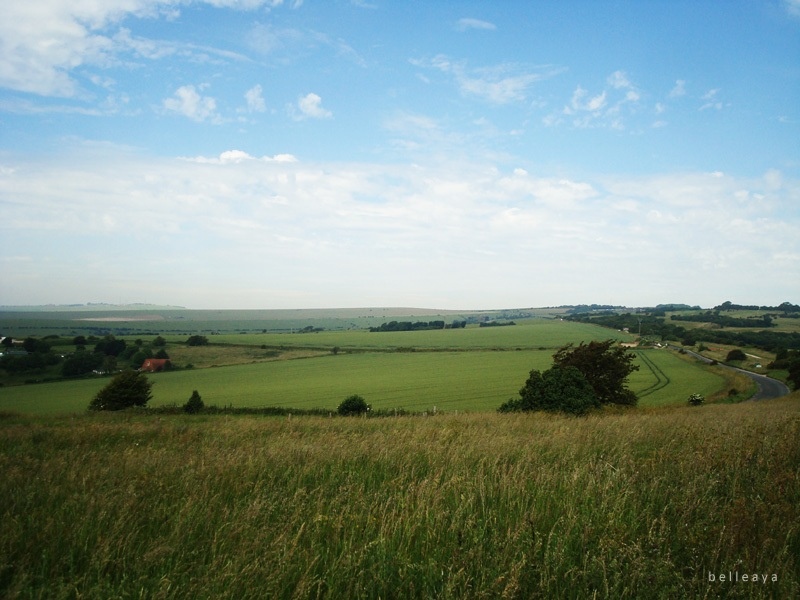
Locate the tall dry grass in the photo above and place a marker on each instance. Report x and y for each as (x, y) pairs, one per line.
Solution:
(643, 504)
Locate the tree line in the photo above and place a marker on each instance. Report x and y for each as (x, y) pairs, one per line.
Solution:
(417, 326)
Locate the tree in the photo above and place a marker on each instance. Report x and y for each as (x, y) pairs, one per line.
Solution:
(563, 389)
(197, 340)
(794, 374)
(35, 345)
(142, 355)
(605, 368)
(126, 389)
(735, 354)
(194, 404)
(81, 362)
(110, 346)
(353, 405)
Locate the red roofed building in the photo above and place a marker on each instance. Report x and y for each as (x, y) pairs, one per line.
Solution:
(153, 365)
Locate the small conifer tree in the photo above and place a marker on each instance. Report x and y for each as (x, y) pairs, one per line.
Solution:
(194, 404)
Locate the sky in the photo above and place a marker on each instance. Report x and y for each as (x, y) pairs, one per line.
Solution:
(438, 154)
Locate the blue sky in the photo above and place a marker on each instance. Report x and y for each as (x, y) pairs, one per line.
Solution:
(288, 154)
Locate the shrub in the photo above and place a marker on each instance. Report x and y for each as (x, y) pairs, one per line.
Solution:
(511, 405)
(126, 389)
(735, 354)
(194, 404)
(696, 400)
(353, 405)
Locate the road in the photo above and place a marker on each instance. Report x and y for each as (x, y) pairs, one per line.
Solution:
(767, 387)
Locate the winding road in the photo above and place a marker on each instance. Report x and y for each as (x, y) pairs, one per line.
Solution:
(767, 387)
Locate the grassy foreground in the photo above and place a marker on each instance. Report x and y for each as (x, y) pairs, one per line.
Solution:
(646, 504)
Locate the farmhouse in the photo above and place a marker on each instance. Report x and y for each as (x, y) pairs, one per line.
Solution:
(153, 365)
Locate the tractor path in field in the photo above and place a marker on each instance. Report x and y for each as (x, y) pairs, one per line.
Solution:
(768, 387)
(661, 378)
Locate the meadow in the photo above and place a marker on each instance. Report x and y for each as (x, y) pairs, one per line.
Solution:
(413, 381)
(472, 369)
(650, 503)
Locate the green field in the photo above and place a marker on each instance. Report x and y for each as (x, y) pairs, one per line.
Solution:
(530, 334)
(417, 381)
(471, 369)
(140, 321)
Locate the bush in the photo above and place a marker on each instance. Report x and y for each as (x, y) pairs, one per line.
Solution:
(511, 405)
(696, 400)
(126, 389)
(197, 340)
(194, 404)
(735, 354)
(353, 405)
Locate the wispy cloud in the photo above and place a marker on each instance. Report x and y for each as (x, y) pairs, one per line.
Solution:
(711, 100)
(287, 45)
(679, 89)
(499, 84)
(606, 108)
(466, 24)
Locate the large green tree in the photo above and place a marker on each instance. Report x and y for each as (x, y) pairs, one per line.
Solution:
(126, 389)
(605, 366)
(557, 389)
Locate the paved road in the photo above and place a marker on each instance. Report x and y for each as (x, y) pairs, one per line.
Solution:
(767, 387)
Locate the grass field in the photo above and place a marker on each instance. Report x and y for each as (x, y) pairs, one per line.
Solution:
(133, 321)
(654, 503)
(529, 334)
(417, 381)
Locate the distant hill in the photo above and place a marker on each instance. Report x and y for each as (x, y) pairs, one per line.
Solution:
(91, 306)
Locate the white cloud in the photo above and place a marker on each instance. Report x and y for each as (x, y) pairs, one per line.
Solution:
(793, 7)
(238, 156)
(310, 107)
(42, 42)
(679, 89)
(287, 44)
(619, 80)
(580, 102)
(609, 108)
(188, 102)
(468, 23)
(711, 100)
(499, 84)
(255, 99)
(441, 234)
